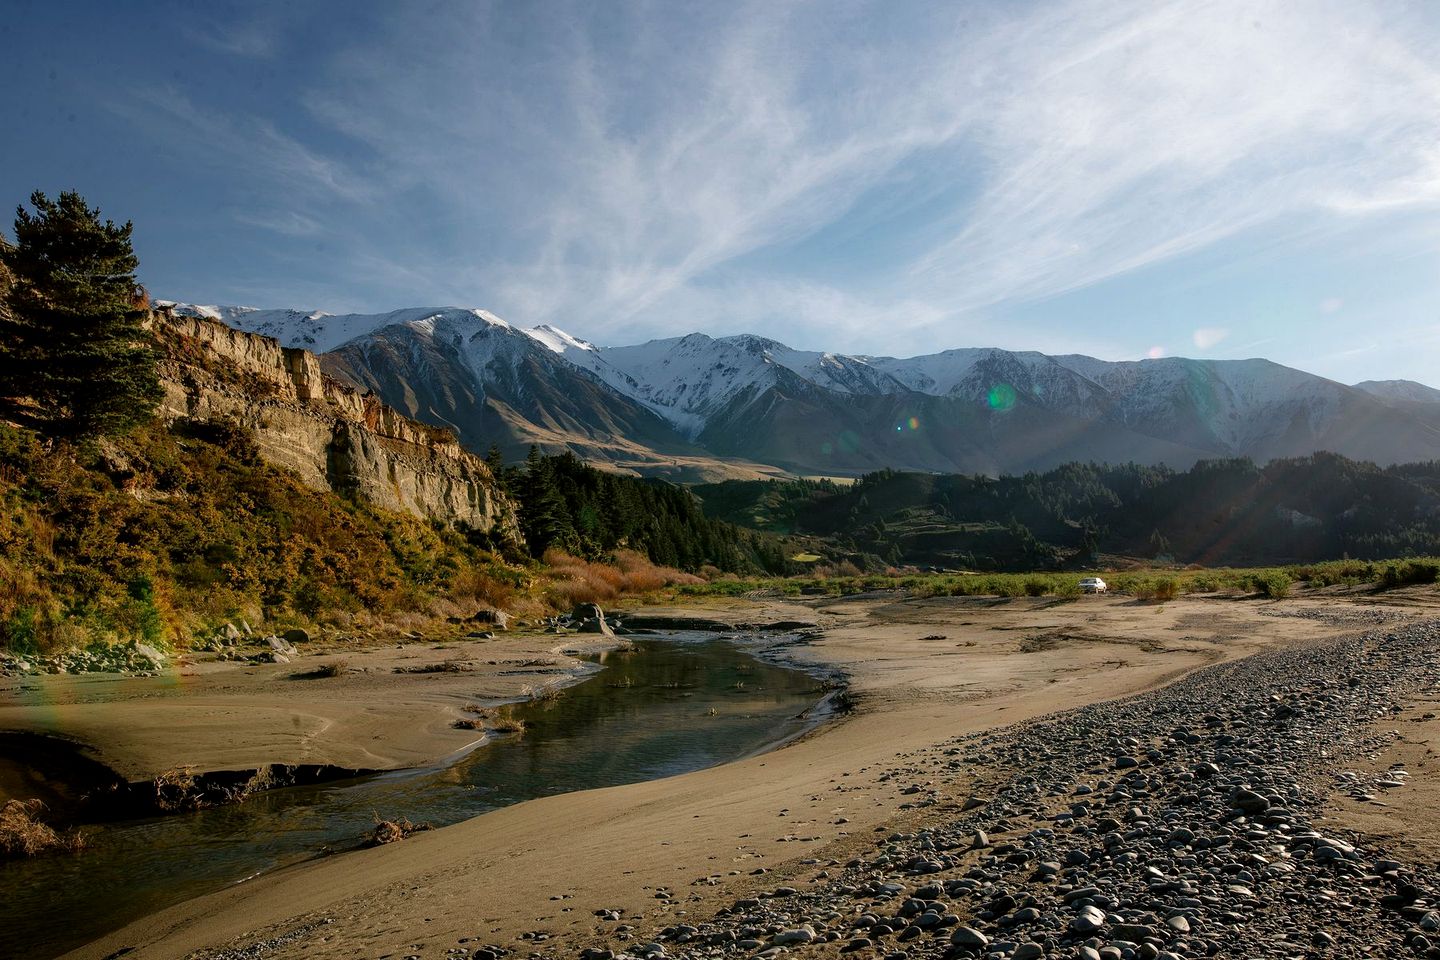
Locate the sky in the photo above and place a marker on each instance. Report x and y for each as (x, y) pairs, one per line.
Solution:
(1121, 179)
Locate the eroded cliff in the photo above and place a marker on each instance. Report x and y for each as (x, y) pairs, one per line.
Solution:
(331, 435)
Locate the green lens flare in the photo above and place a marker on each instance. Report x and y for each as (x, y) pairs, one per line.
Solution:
(1001, 397)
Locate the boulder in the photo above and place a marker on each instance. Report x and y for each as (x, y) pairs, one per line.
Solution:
(589, 618)
(296, 635)
(499, 618)
(144, 651)
(282, 646)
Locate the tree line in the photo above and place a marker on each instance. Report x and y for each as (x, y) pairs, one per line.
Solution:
(1218, 512)
(567, 505)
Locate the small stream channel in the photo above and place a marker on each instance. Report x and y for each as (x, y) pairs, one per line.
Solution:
(671, 706)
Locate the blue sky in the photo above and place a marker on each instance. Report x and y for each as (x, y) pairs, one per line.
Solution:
(1119, 179)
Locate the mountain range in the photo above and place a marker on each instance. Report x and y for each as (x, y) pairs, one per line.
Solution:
(701, 407)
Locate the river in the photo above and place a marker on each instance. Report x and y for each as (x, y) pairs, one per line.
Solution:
(670, 706)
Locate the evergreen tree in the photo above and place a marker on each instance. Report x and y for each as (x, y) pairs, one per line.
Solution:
(495, 460)
(73, 339)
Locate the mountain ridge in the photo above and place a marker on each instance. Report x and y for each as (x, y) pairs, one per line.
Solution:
(753, 402)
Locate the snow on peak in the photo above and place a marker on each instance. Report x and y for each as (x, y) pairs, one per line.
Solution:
(558, 340)
(322, 332)
(689, 379)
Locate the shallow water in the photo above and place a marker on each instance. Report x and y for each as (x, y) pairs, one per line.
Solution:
(669, 707)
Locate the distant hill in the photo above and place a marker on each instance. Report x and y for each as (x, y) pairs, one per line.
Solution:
(1406, 390)
(697, 407)
(1219, 512)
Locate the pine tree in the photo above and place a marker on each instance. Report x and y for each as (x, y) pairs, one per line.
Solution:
(495, 460)
(73, 339)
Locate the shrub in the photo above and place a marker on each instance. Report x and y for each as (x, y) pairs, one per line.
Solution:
(1408, 572)
(1274, 584)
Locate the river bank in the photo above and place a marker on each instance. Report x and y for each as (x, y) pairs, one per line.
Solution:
(659, 706)
(921, 672)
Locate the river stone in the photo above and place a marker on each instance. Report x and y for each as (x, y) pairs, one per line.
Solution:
(1028, 951)
(1132, 932)
(1248, 801)
(281, 646)
(802, 934)
(969, 937)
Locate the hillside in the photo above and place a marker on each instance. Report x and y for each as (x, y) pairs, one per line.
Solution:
(699, 408)
(269, 493)
(1221, 512)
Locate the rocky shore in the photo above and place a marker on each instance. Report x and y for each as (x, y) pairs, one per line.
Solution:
(1184, 822)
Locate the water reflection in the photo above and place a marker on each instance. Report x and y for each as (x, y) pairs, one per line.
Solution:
(664, 708)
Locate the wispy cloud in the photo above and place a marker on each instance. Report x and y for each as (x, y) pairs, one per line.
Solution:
(284, 173)
(649, 168)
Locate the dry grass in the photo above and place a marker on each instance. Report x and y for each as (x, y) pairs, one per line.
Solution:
(542, 693)
(474, 586)
(178, 789)
(575, 581)
(261, 780)
(392, 831)
(492, 719)
(22, 834)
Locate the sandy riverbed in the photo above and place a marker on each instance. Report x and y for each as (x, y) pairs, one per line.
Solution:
(922, 671)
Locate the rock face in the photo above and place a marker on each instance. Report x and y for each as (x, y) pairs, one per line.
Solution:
(331, 435)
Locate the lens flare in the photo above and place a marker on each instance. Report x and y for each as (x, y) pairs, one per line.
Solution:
(1155, 353)
(1001, 397)
(914, 423)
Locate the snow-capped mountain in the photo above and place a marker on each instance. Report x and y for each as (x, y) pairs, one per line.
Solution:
(752, 398)
(689, 380)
